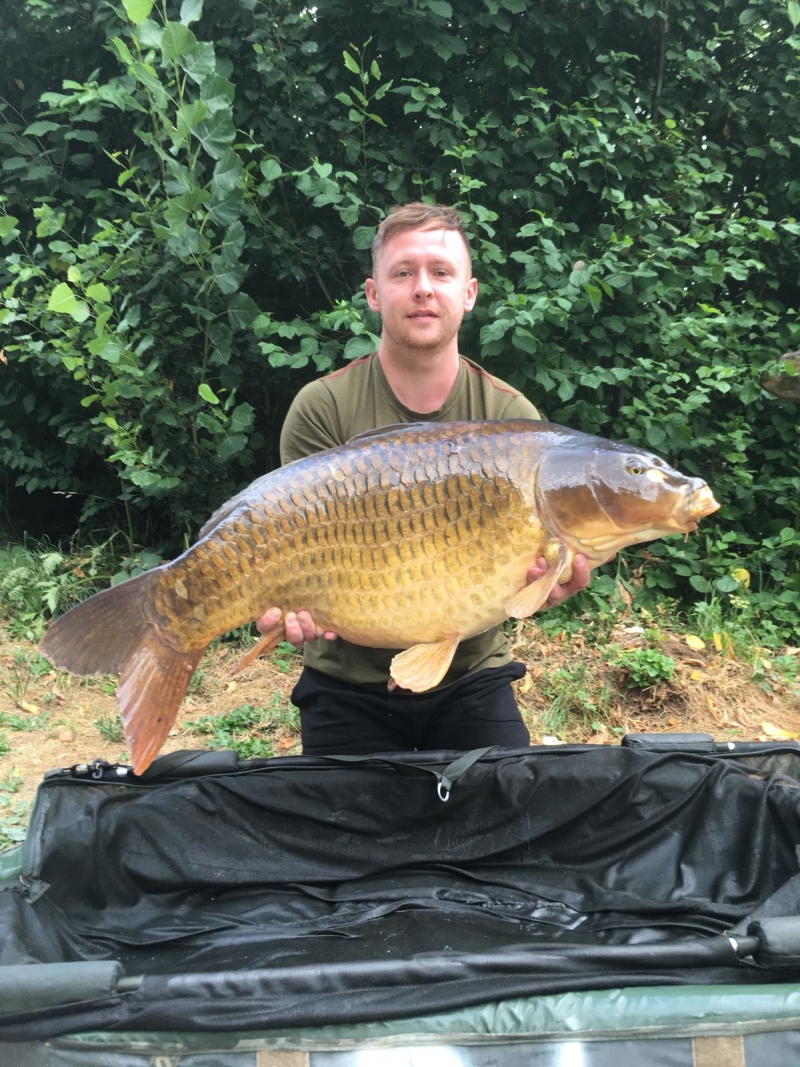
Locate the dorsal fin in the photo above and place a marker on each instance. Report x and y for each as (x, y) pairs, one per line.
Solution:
(389, 428)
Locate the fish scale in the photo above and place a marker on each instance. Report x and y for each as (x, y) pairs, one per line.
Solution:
(409, 538)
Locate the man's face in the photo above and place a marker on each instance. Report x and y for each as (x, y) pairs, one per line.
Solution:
(421, 287)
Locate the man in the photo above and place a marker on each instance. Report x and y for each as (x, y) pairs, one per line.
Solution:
(421, 286)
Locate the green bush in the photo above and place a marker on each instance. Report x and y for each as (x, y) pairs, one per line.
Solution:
(644, 667)
(189, 195)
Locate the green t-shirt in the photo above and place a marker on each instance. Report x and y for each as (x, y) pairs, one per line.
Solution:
(358, 398)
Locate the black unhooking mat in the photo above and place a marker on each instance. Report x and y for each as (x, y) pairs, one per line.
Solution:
(303, 891)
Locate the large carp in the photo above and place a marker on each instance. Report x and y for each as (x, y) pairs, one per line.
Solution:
(410, 537)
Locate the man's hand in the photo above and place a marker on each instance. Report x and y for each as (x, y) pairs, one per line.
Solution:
(299, 626)
(581, 573)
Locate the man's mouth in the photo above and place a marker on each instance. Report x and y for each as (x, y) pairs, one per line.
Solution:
(422, 315)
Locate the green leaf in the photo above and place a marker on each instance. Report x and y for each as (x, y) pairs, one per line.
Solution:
(62, 300)
(227, 175)
(793, 11)
(595, 295)
(363, 236)
(124, 176)
(439, 7)
(231, 446)
(271, 169)
(191, 11)
(216, 92)
(36, 129)
(149, 35)
(201, 66)
(7, 224)
(216, 134)
(176, 40)
(99, 292)
(359, 346)
(242, 311)
(207, 394)
(227, 275)
(137, 10)
(148, 77)
(189, 116)
(122, 50)
(233, 243)
(350, 63)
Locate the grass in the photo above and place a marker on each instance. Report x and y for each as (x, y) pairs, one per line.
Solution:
(13, 813)
(249, 730)
(110, 728)
(25, 669)
(572, 693)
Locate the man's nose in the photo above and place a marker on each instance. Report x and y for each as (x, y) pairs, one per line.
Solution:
(422, 284)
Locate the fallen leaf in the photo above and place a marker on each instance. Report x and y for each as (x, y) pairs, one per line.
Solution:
(740, 716)
(550, 740)
(695, 676)
(32, 709)
(776, 733)
(696, 643)
(231, 687)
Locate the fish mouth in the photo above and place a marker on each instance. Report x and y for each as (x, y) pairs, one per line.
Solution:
(699, 504)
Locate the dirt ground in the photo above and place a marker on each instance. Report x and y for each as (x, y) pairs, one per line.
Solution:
(573, 692)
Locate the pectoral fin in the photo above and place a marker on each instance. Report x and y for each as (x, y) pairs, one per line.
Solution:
(421, 667)
(531, 597)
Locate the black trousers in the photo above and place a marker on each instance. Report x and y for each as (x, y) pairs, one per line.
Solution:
(341, 719)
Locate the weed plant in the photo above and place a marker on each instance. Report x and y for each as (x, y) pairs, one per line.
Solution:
(110, 728)
(643, 668)
(40, 581)
(14, 814)
(573, 694)
(246, 729)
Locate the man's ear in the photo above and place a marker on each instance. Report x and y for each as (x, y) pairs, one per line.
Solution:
(471, 294)
(371, 290)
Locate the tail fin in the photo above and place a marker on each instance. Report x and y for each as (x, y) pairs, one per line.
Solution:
(150, 691)
(113, 633)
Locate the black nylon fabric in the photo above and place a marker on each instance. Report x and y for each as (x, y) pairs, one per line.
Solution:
(306, 891)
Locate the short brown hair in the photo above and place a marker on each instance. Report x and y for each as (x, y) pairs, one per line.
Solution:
(418, 216)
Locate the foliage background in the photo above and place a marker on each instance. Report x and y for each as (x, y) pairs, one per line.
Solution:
(188, 191)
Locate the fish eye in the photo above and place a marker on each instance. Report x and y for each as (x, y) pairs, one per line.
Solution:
(634, 468)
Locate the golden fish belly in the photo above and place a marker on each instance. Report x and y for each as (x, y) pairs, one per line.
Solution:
(386, 549)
